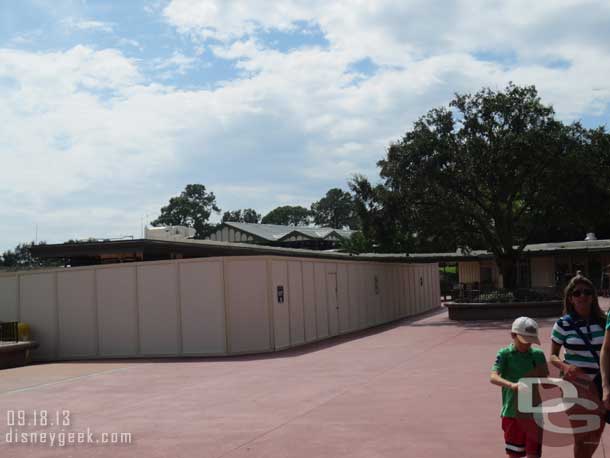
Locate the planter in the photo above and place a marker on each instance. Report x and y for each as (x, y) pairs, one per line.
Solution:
(464, 311)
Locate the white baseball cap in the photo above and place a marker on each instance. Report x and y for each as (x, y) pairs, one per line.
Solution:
(526, 330)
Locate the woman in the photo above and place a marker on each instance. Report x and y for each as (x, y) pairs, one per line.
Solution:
(581, 333)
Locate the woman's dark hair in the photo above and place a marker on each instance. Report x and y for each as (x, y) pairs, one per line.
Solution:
(597, 314)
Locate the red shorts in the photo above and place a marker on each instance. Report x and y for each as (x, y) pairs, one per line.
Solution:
(522, 436)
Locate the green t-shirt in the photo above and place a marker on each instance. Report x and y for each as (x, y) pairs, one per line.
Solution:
(513, 365)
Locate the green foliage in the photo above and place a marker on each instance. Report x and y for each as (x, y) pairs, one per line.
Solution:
(356, 244)
(192, 208)
(288, 216)
(487, 172)
(336, 209)
(21, 258)
(88, 240)
(247, 215)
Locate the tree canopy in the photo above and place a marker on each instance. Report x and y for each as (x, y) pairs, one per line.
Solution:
(288, 215)
(247, 215)
(336, 209)
(192, 208)
(21, 258)
(493, 170)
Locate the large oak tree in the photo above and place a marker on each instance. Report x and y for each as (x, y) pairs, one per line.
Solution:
(493, 170)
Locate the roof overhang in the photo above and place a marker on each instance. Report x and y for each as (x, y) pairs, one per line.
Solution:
(198, 248)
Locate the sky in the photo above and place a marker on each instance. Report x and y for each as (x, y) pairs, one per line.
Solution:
(109, 108)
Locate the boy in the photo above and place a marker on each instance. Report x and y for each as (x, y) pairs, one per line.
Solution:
(523, 437)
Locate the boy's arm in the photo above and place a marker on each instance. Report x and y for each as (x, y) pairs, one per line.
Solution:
(496, 379)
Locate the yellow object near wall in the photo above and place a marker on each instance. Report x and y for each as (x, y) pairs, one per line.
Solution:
(24, 331)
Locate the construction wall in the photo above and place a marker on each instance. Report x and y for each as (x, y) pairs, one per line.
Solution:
(211, 306)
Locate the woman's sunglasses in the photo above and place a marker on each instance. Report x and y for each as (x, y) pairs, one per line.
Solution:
(579, 292)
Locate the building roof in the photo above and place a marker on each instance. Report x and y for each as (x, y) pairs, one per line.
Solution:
(208, 248)
(535, 249)
(198, 248)
(277, 233)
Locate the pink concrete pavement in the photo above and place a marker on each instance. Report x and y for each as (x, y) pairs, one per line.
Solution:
(416, 388)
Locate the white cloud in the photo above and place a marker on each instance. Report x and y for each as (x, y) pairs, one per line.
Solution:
(72, 23)
(129, 42)
(177, 64)
(416, 43)
(92, 143)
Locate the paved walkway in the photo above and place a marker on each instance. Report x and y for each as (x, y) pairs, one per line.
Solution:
(413, 389)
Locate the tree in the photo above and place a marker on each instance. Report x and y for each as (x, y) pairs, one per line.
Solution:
(356, 244)
(21, 258)
(192, 208)
(336, 209)
(247, 215)
(487, 172)
(288, 216)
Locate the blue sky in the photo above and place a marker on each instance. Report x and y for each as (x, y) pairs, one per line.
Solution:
(112, 107)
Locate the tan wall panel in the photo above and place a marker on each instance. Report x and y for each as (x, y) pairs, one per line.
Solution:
(381, 295)
(248, 307)
(374, 302)
(354, 296)
(403, 292)
(39, 310)
(437, 290)
(309, 302)
(281, 311)
(295, 299)
(426, 288)
(411, 274)
(332, 297)
(366, 288)
(397, 292)
(8, 298)
(364, 296)
(343, 297)
(158, 308)
(419, 286)
(386, 294)
(543, 271)
(117, 311)
(202, 307)
(358, 309)
(429, 287)
(77, 313)
(378, 297)
(320, 298)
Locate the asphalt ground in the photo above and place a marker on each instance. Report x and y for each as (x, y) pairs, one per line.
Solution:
(414, 388)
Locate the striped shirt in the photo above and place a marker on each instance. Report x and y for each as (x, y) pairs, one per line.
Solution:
(576, 351)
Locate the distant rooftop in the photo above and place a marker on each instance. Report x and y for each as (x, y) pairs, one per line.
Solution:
(277, 233)
(578, 246)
